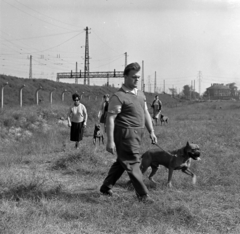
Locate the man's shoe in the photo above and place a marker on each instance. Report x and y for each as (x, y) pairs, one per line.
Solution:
(146, 199)
(106, 192)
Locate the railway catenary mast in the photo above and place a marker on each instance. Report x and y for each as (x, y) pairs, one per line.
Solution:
(86, 60)
(87, 75)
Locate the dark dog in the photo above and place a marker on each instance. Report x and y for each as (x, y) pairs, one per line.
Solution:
(98, 134)
(176, 160)
(163, 119)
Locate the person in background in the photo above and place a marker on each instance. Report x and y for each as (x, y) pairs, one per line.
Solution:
(102, 114)
(127, 116)
(77, 120)
(157, 107)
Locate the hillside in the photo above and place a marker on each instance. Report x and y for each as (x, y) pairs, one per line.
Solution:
(11, 92)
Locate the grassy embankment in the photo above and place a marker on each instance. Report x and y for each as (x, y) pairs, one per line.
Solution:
(11, 92)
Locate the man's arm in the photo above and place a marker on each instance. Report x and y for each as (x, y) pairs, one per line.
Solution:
(149, 126)
(85, 116)
(110, 124)
(68, 117)
(101, 110)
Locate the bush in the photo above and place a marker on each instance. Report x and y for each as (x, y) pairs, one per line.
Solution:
(9, 122)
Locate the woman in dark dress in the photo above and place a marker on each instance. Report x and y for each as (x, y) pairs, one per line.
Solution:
(77, 119)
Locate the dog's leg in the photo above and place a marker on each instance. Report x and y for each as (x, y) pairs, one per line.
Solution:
(103, 140)
(94, 141)
(150, 177)
(189, 172)
(170, 172)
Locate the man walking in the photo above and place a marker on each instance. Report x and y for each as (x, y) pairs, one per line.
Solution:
(127, 116)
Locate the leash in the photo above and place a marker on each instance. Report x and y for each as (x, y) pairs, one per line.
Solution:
(154, 143)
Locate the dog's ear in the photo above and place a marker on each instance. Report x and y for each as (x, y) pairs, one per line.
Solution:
(187, 144)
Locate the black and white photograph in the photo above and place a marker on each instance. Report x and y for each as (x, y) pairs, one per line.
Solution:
(120, 116)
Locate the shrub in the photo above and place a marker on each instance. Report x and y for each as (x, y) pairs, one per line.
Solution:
(9, 122)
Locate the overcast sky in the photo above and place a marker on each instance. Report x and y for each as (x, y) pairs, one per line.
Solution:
(175, 38)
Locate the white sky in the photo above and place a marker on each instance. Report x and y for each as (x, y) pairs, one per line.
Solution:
(175, 38)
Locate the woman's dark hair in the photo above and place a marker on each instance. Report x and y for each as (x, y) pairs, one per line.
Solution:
(75, 95)
(105, 95)
(130, 67)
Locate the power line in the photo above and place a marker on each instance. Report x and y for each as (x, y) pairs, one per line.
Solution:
(46, 15)
(103, 41)
(32, 15)
(60, 43)
(50, 35)
(53, 46)
(109, 62)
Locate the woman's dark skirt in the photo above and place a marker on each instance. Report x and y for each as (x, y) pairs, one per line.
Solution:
(103, 118)
(76, 133)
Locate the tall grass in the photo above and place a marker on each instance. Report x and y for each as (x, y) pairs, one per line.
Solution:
(46, 186)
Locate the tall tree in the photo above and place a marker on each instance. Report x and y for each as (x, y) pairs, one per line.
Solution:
(186, 91)
(173, 91)
(233, 88)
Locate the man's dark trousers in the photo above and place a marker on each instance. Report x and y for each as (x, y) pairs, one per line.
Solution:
(127, 141)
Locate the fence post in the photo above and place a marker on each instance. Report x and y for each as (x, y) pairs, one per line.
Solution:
(36, 94)
(81, 97)
(2, 94)
(65, 91)
(20, 95)
(63, 94)
(50, 96)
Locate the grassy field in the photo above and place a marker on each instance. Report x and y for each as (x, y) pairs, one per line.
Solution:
(46, 186)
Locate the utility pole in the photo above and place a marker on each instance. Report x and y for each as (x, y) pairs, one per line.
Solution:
(86, 60)
(107, 79)
(164, 86)
(149, 84)
(190, 90)
(76, 77)
(199, 81)
(142, 80)
(30, 69)
(155, 82)
(125, 59)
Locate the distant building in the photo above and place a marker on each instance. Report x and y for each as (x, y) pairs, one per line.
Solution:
(219, 91)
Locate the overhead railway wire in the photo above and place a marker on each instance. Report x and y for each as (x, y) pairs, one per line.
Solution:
(33, 15)
(104, 41)
(38, 51)
(46, 15)
(49, 35)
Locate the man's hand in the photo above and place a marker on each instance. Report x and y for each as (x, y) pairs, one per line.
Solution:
(99, 114)
(84, 124)
(153, 137)
(111, 148)
(69, 124)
